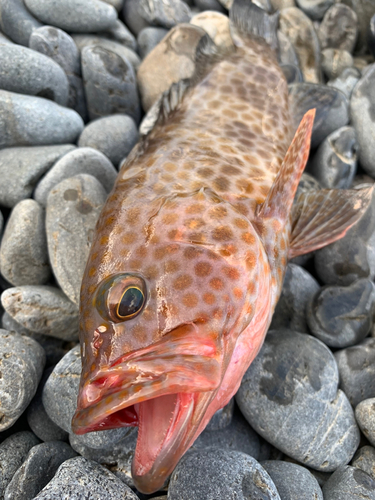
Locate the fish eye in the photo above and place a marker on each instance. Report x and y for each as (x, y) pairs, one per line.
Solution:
(130, 303)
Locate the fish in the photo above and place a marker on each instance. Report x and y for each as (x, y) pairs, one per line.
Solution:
(190, 250)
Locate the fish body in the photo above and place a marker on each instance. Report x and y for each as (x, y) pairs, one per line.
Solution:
(190, 252)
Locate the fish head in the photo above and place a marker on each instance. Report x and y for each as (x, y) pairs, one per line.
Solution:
(162, 305)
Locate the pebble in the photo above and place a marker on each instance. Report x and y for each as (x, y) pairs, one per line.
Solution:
(349, 483)
(117, 4)
(292, 481)
(73, 208)
(148, 39)
(338, 29)
(16, 21)
(292, 73)
(13, 452)
(212, 5)
(364, 413)
(216, 25)
(216, 473)
(23, 167)
(342, 316)
(346, 81)
(364, 11)
(165, 13)
(132, 17)
(23, 251)
(222, 418)
(357, 371)
(364, 459)
(42, 309)
(36, 121)
(80, 161)
(334, 61)
(22, 363)
(79, 478)
(37, 470)
(334, 164)
(315, 9)
(287, 54)
(172, 60)
(79, 16)
(113, 136)
(110, 84)
(120, 33)
(290, 396)
(298, 288)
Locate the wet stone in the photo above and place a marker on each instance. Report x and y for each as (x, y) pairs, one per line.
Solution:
(222, 418)
(42, 309)
(290, 396)
(148, 39)
(357, 371)
(216, 25)
(315, 9)
(37, 470)
(165, 13)
(73, 208)
(16, 21)
(334, 61)
(132, 17)
(18, 355)
(349, 483)
(23, 250)
(346, 81)
(80, 161)
(338, 29)
(364, 459)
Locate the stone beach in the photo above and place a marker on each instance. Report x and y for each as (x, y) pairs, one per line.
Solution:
(80, 82)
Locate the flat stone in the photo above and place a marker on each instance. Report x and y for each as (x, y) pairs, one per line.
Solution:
(22, 363)
(346, 81)
(216, 25)
(349, 483)
(364, 459)
(16, 21)
(23, 167)
(334, 61)
(120, 33)
(36, 121)
(290, 396)
(73, 208)
(148, 39)
(166, 13)
(132, 18)
(42, 309)
(338, 29)
(23, 250)
(79, 16)
(80, 161)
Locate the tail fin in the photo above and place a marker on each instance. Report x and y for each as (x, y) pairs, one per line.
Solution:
(249, 20)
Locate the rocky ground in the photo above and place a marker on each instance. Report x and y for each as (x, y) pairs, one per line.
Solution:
(77, 78)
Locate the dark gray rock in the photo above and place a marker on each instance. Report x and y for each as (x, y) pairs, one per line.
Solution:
(222, 418)
(364, 459)
(215, 473)
(315, 9)
(78, 16)
(148, 38)
(166, 13)
(23, 167)
(113, 135)
(37, 470)
(334, 61)
(42, 309)
(292, 481)
(338, 29)
(80, 161)
(349, 483)
(357, 371)
(364, 413)
(16, 21)
(80, 478)
(73, 208)
(35, 121)
(22, 362)
(346, 81)
(132, 17)
(289, 396)
(209, 5)
(120, 33)
(371, 38)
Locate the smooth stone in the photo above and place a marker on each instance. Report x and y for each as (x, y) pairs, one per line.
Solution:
(42, 309)
(132, 18)
(364, 10)
(222, 418)
(300, 31)
(170, 61)
(110, 84)
(22, 366)
(282, 4)
(349, 483)
(38, 469)
(23, 250)
(117, 4)
(13, 452)
(334, 164)
(357, 371)
(23, 167)
(228, 3)
(148, 39)
(16, 21)
(120, 33)
(4, 38)
(165, 13)
(79, 478)
(346, 81)
(216, 25)
(215, 473)
(73, 208)
(298, 287)
(331, 108)
(334, 61)
(290, 396)
(338, 29)
(113, 136)
(364, 413)
(342, 316)
(81, 16)
(80, 161)
(292, 481)
(212, 5)
(36, 121)
(315, 9)
(287, 54)
(364, 459)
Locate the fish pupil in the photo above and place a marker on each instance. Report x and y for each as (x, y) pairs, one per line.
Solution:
(131, 302)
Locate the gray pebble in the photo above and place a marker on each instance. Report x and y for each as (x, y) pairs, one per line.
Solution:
(26, 71)
(79, 478)
(120, 33)
(315, 9)
(364, 413)
(148, 38)
(364, 459)
(4, 38)
(292, 481)
(209, 5)
(113, 135)
(42, 309)
(287, 54)
(37, 470)
(222, 418)
(13, 452)
(349, 483)
(357, 371)
(22, 362)
(364, 11)
(215, 473)
(165, 13)
(289, 396)
(110, 84)
(132, 17)
(338, 30)
(81, 16)
(334, 61)
(117, 4)
(346, 81)
(22, 169)
(80, 161)
(16, 21)
(73, 208)
(35, 121)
